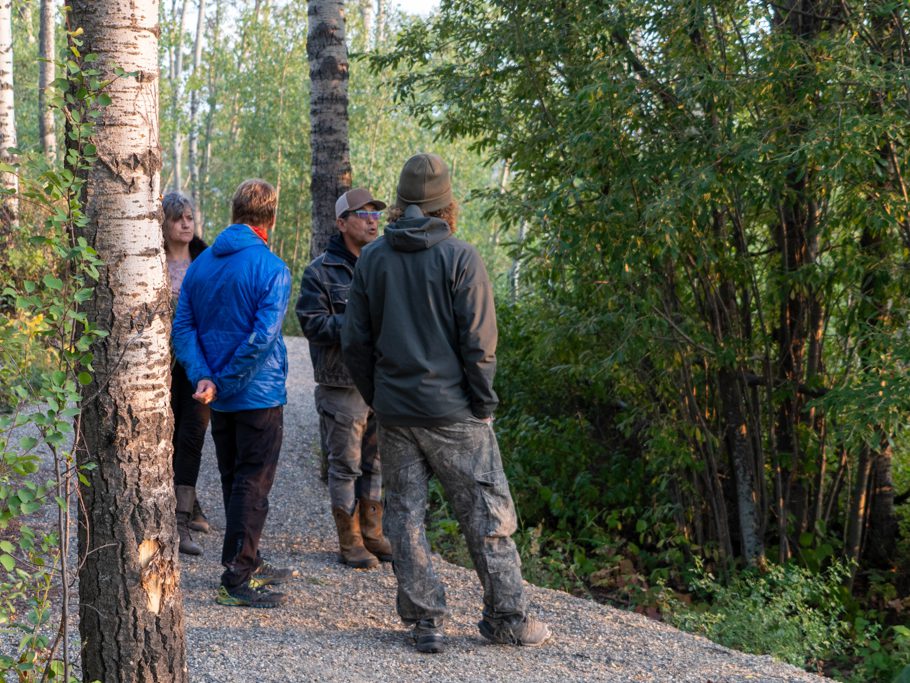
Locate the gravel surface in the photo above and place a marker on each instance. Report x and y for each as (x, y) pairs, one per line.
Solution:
(340, 623)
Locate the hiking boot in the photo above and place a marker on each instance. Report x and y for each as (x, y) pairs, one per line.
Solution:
(198, 520)
(185, 496)
(529, 632)
(371, 529)
(247, 595)
(352, 552)
(267, 574)
(430, 642)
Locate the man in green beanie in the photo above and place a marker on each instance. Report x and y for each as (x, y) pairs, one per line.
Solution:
(419, 339)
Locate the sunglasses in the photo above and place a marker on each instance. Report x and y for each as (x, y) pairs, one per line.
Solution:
(368, 215)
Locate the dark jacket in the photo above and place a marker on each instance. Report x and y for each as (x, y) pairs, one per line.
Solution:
(228, 322)
(320, 310)
(419, 335)
(197, 246)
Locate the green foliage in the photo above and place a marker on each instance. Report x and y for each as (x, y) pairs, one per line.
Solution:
(44, 360)
(254, 121)
(709, 287)
(788, 612)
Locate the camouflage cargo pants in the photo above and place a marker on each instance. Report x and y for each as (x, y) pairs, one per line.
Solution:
(465, 458)
(348, 428)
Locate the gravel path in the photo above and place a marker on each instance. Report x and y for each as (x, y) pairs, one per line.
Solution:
(340, 624)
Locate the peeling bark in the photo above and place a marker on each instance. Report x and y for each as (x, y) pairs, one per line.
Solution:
(131, 616)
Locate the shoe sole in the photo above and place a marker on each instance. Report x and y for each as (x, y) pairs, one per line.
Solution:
(485, 631)
(227, 600)
(257, 605)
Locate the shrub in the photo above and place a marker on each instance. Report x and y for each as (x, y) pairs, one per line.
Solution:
(787, 612)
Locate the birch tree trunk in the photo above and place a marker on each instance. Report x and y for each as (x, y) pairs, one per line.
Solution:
(193, 151)
(10, 207)
(366, 18)
(331, 163)
(177, 93)
(380, 23)
(46, 75)
(214, 44)
(131, 614)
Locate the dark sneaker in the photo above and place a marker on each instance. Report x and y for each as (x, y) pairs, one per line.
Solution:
(429, 641)
(529, 632)
(247, 595)
(267, 574)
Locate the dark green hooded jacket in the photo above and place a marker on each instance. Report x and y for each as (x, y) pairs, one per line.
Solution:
(419, 335)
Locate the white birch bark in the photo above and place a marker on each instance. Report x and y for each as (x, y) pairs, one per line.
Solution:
(213, 77)
(7, 113)
(177, 94)
(331, 164)
(131, 614)
(193, 145)
(46, 74)
(366, 18)
(381, 19)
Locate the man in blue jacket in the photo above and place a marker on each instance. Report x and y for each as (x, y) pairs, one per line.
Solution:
(227, 336)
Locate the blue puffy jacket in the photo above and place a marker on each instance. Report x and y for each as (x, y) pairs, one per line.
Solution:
(228, 322)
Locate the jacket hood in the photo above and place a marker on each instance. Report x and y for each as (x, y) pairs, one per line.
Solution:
(337, 247)
(416, 232)
(235, 238)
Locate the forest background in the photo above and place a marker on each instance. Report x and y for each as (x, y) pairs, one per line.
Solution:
(696, 216)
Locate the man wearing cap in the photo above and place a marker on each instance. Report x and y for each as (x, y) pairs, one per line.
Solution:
(419, 339)
(347, 423)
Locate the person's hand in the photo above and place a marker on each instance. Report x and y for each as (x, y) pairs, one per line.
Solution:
(206, 391)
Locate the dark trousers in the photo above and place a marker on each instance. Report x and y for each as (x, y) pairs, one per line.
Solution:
(247, 444)
(190, 421)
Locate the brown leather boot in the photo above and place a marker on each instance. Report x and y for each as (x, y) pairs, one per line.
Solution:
(350, 541)
(185, 497)
(198, 520)
(371, 528)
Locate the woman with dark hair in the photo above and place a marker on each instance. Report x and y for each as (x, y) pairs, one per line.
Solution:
(181, 246)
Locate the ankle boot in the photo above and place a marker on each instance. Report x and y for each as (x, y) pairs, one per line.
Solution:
(350, 541)
(185, 497)
(371, 529)
(198, 520)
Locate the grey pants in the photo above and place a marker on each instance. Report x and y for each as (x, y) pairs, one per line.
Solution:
(465, 458)
(349, 429)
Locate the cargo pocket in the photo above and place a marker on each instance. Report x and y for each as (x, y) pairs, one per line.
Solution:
(339, 426)
(499, 511)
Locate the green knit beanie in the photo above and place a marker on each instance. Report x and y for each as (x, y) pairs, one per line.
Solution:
(425, 182)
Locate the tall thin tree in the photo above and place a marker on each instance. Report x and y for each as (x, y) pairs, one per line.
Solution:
(381, 20)
(46, 75)
(331, 162)
(177, 95)
(131, 615)
(10, 181)
(193, 145)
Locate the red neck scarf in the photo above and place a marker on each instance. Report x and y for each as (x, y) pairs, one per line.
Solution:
(262, 232)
